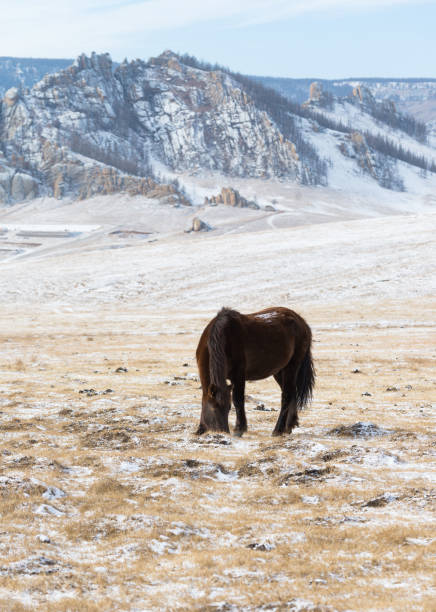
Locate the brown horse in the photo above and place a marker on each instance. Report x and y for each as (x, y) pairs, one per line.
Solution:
(235, 347)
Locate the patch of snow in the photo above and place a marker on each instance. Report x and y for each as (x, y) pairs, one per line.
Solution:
(46, 509)
(163, 546)
(267, 316)
(130, 466)
(420, 541)
(225, 477)
(310, 499)
(178, 528)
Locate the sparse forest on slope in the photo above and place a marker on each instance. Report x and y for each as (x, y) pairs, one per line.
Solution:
(414, 97)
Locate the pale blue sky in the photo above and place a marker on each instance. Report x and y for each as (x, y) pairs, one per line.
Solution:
(291, 38)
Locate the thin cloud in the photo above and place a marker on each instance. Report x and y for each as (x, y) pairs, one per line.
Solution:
(56, 27)
(169, 14)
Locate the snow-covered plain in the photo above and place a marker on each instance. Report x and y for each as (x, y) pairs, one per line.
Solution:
(109, 501)
(150, 260)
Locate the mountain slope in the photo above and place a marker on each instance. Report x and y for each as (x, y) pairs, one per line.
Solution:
(416, 97)
(186, 118)
(95, 128)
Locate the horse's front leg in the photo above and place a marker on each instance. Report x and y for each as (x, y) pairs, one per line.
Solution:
(238, 397)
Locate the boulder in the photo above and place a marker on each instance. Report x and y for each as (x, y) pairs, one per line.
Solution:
(199, 226)
(230, 197)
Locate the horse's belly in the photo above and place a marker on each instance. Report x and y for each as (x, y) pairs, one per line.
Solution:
(262, 366)
(267, 350)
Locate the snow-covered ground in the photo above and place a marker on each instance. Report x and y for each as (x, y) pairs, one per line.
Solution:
(382, 257)
(107, 496)
(46, 226)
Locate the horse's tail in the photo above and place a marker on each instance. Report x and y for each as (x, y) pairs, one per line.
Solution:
(305, 379)
(217, 349)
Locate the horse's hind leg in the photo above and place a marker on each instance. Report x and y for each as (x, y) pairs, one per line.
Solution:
(238, 396)
(288, 417)
(281, 421)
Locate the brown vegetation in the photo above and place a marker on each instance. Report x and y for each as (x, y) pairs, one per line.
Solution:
(337, 516)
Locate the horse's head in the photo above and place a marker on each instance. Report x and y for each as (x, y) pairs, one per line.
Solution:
(216, 407)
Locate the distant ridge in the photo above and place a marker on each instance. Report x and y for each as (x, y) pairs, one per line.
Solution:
(25, 71)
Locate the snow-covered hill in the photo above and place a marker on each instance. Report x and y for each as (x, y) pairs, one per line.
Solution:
(94, 128)
(414, 96)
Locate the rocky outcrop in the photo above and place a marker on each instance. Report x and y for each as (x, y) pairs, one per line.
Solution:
(230, 197)
(318, 96)
(91, 114)
(315, 91)
(87, 181)
(11, 96)
(381, 168)
(363, 94)
(16, 186)
(198, 225)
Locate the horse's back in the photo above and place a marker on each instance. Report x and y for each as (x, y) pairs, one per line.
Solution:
(271, 338)
(261, 343)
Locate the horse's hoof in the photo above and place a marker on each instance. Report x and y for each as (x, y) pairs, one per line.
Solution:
(199, 431)
(237, 433)
(277, 433)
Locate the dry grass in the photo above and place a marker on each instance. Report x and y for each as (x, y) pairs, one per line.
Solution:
(155, 518)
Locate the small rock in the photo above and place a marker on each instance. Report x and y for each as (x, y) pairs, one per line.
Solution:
(380, 501)
(264, 408)
(263, 546)
(356, 371)
(43, 538)
(391, 389)
(53, 493)
(367, 394)
(191, 463)
(121, 369)
(89, 392)
(45, 561)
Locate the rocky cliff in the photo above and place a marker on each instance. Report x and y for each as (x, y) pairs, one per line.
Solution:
(96, 128)
(93, 128)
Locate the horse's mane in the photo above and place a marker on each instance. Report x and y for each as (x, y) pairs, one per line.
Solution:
(217, 346)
